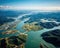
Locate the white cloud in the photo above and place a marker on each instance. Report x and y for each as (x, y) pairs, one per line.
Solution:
(20, 16)
(46, 20)
(30, 7)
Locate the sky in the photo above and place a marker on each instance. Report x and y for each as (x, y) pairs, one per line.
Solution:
(30, 4)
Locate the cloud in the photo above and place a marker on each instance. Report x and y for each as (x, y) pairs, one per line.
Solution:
(5, 7)
(46, 8)
(20, 16)
(46, 20)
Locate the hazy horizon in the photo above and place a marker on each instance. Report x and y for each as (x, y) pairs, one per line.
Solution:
(30, 5)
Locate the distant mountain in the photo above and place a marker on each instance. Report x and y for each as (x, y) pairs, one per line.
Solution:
(33, 17)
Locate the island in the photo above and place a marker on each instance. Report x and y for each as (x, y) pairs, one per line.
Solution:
(14, 41)
(10, 32)
(32, 27)
(9, 25)
(52, 37)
